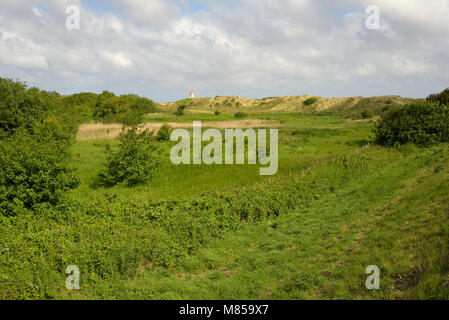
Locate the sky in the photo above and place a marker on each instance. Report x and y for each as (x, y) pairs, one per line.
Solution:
(162, 49)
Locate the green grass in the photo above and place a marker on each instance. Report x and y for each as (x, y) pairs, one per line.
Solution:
(337, 205)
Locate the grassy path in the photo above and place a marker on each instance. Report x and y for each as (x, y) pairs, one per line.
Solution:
(395, 217)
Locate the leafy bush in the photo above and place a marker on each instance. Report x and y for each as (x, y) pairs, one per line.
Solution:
(240, 115)
(140, 105)
(81, 106)
(217, 113)
(126, 109)
(113, 109)
(442, 98)
(366, 114)
(35, 134)
(132, 162)
(310, 101)
(164, 133)
(33, 171)
(421, 123)
(23, 108)
(180, 110)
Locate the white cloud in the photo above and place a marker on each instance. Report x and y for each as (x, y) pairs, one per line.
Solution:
(253, 48)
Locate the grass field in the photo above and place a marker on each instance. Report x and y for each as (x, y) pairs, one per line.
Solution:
(338, 204)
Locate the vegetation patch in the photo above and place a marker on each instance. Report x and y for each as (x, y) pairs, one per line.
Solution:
(310, 102)
(421, 123)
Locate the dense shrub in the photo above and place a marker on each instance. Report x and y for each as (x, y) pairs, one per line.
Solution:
(140, 105)
(132, 162)
(421, 123)
(35, 135)
(310, 101)
(180, 110)
(217, 113)
(126, 109)
(101, 98)
(81, 107)
(442, 98)
(23, 108)
(33, 170)
(164, 133)
(366, 114)
(113, 109)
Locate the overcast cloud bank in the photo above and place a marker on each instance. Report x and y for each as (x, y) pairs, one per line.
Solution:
(161, 49)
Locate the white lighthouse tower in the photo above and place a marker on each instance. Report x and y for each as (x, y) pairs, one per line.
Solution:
(192, 94)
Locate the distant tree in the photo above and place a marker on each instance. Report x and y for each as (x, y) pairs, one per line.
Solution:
(80, 106)
(140, 105)
(101, 98)
(113, 109)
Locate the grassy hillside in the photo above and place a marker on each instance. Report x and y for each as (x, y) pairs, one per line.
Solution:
(337, 205)
(306, 103)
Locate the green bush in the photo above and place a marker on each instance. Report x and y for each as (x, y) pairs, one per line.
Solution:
(180, 110)
(421, 123)
(217, 113)
(310, 101)
(23, 108)
(367, 114)
(132, 162)
(140, 105)
(240, 115)
(442, 98)
(35, 135)
(81, 107)
(33, 170)
(164, 133)
(126, 109)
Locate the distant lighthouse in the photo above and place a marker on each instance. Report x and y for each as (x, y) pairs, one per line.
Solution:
(192, 94)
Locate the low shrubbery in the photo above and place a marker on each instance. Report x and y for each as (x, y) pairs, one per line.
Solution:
(113, 239)
(421, 123)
